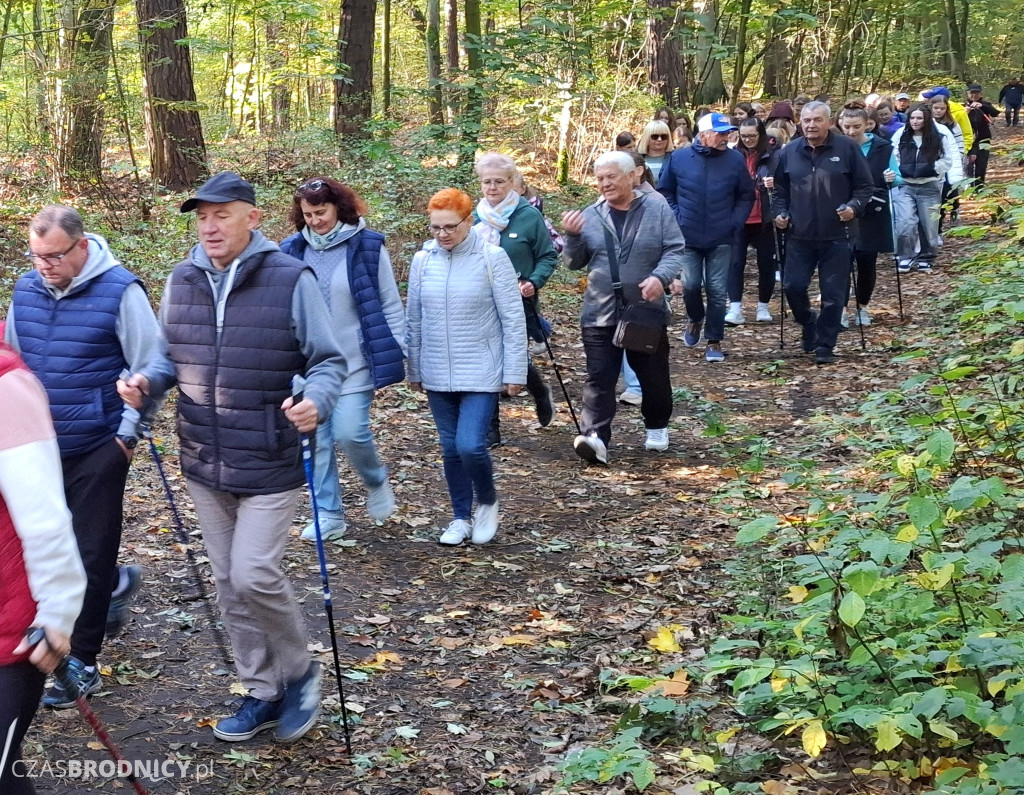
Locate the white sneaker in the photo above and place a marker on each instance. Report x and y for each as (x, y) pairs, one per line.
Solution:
(591, 448)
(844, 320)
(763, 315)
(657, 439)
(329, 530)
(863, 317)
(904, 265)
(485, 523)
(538, 349)
(380, 502)
(457, 532)
(631, 398)
(734, 317)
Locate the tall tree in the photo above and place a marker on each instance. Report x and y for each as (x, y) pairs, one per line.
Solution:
(174, 133)
(435, 95)
(84, 58)
(664, 61)
(353, 104)
(473, 109)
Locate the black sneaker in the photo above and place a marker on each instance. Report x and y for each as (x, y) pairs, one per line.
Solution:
(71, 681)
(823, 355)
(117, 613)
(809, 332)
(493, 438)
(249, 720)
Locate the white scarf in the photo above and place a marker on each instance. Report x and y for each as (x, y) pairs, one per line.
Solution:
(324, 242)
(494, 219)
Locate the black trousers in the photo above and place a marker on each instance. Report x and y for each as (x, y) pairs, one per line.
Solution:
(94, 489)
(535, 385)
(979, 168)
(832, 259)
(867, 275)
(762, 238)
(604, 361)
(21, 686)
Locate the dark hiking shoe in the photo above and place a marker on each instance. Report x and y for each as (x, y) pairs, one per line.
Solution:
(71, 681)
(117, 613)
(545, 411)
(251, 718)
(823, 355)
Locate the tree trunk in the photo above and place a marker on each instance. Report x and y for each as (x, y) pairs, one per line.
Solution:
(712, 83)
(354, 92)
(739, 73)
(451, 35)
(386, 61)
(277, 61)
(473, 110)
(664, 63)
(435, 95)
(174, 132)
(84, 59)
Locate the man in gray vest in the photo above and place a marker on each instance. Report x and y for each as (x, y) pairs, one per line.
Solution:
(241, 318)
(79, 318)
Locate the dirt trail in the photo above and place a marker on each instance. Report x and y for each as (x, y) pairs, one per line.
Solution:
(480, 664)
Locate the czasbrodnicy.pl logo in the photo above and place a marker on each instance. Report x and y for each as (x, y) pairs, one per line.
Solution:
(84, 769)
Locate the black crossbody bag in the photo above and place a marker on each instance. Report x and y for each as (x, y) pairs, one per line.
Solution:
(640, 326)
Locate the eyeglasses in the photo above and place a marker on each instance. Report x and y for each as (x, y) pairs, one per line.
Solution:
(495, 183)
(659, 137)
(750, 136)
(446, 229)
(313, 186)
(52, 258)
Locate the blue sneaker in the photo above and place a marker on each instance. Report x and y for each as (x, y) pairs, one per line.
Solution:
(300, 705)
(251, 718)
(692, 334)
(117, 613)
(70, 682)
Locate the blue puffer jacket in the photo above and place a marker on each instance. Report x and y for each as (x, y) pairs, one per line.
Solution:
(710, 192)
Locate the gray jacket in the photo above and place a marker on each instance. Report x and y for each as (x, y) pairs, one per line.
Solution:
(466, 327)
(657, 250)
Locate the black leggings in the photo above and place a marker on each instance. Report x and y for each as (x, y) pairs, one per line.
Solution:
(867, 275)
(21, 686)
(762, 238)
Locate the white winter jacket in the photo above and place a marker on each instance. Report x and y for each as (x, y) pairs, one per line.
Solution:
(466, 327)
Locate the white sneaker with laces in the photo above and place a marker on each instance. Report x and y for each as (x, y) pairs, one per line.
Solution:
(380, 502)
(538, 349)
(863, 316)
(457, 532)
(904, 265)
(590, 448)
(631, 398)
(485, 523)
(329, 530)
(763, 314)
(844, 320)
(657, 439)
(734, 317)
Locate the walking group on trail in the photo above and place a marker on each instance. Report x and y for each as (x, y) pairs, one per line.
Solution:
(86, 362)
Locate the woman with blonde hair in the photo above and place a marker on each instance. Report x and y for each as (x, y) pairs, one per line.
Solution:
(656, 145)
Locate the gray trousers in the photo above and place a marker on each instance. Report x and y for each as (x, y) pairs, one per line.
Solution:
(245, 537)
(917, 219)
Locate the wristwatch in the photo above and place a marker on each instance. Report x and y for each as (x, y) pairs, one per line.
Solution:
(130, 442)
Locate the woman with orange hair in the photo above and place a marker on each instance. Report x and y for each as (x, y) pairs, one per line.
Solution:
(466, 335)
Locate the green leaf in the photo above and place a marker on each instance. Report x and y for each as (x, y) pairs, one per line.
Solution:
(888, 735)
(862, 577)
(923, 512)
(957, 373)
(756, 530)
(930, 702)
(943, 730)
(941, 445)
(949, 775)
(643, 775)
(851, 609)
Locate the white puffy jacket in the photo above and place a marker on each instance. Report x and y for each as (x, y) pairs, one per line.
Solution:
(466, 328)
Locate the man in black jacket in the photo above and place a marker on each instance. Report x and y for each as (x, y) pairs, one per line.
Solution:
(1011, 96)
(980, 112)
(822, 182)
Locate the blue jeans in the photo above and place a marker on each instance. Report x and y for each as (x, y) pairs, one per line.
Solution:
(462, 420)
(707, 268)
(348, 427)
(833, 260)
(630, 378)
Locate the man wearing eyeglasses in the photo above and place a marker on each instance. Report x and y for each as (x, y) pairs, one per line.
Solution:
(79, 319)
(241, 319)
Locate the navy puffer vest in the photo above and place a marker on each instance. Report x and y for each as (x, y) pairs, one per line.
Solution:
(380, 349)
(71, 345)
(234, 435)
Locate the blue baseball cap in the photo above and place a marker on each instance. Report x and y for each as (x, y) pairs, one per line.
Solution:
(938, 91)
(716, 122)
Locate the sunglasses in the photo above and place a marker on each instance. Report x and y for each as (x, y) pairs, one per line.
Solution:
(312, 186)
(659, 137)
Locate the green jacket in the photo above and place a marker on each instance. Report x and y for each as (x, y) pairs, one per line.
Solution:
(528, 245)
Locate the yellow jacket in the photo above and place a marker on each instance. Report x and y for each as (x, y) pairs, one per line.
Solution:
(959, 114)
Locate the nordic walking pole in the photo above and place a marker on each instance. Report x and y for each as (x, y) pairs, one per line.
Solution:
(532, 303)
(36, 635)
(895, 256)
(853, 275)
(782, 272)
(298, 384)
(183, 539)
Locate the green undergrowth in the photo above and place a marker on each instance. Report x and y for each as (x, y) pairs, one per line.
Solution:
(878, 637)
